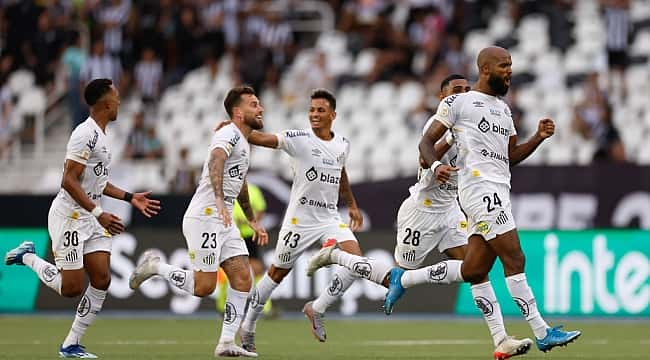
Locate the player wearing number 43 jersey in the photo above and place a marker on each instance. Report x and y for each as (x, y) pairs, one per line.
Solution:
(80, 230)
(212, 239)
(318, 159)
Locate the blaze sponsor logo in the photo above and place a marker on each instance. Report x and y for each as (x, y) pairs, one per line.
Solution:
(330, 179)
(311, 174)
(484, 125)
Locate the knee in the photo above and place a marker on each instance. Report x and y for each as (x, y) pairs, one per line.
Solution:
(242, 283)
(101, 282)
(71, 289)
(278, 274)
(204, 288)
(473, 276)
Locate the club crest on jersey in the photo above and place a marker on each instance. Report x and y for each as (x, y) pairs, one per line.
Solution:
(311, 174)
(93, 142)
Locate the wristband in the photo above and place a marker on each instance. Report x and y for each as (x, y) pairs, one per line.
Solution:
(435, 165)
(449, 139)
(97, 211)
(128, 196)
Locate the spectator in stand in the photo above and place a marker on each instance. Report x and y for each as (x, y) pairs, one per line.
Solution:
(593, 120)
(112, 17)
(43, 50)
(100, 65)
(148, 76)
(73, 59)
(455, 58)
(617, 20)
(184, 180)
(153, 148)
(136, 142)
(6, 130)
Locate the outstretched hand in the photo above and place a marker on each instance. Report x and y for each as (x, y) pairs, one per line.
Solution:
(148, 207)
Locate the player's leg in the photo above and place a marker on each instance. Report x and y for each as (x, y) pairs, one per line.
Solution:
(508, 248)
(237, 268)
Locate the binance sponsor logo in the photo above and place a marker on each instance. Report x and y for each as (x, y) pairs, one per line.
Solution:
(483, 227)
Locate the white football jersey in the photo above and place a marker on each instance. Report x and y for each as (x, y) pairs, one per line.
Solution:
(431, 195)
(88, 146)
(317, 166)
(482, 126)
(233, 142)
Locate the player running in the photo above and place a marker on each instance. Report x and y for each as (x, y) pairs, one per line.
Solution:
(430, 217)
(212, 240)
(80, 230)
(487, 146)
(318, 158)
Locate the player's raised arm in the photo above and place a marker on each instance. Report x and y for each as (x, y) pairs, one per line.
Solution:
(519, 152)
(260, 236)
(345, 191)
(218, 158)
(427, 147)
(148, 207)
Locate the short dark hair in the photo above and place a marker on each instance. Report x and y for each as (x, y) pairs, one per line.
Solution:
(449, 78)
(233, 98)
(324, 94)
(96, 89)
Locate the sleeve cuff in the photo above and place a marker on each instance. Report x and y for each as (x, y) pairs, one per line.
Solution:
(76, 158)
(444, 122)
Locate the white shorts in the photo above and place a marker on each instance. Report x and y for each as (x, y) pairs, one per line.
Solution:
(74, 237)
(419, 232)
(294, 240)
(488, 209)
(209, 243)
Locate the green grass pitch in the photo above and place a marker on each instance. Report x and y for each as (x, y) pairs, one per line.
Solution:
(36, 337)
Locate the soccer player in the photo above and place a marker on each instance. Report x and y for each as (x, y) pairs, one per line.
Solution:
(212, 239)
(487, 147)
(318, 158)
(430, 217)
(80, 230)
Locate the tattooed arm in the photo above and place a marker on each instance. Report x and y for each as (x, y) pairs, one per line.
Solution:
(345, 191)
(215, 166)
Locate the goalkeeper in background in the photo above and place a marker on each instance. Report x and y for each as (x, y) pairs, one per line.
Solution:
(257, 266)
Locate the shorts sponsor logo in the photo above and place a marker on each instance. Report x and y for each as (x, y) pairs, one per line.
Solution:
(84, 306)
(409, 256)
(484, 305)
(72, 256)
(502, 218)
(362, 269)
(311, 174)
(483, 227)
(229, 313)
(285, 257)
(210, 259)
(438, 272)
(523, 306)
(49, 273)
(336, 285)
(178, 278)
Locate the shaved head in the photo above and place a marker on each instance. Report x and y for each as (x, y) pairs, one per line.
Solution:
(495, 69)
(490, 56)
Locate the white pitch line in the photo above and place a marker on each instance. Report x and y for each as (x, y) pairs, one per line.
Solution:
(464, 342)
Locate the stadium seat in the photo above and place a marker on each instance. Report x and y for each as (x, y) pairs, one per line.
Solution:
(381, 95)
(410, 95)
(365, 62)
(20, 80)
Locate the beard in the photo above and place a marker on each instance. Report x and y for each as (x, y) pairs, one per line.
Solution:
(498, 85)
(253, 122)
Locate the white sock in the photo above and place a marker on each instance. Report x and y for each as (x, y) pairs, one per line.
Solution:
(523, 297)
(444, 272)
(258, 297)
(486, 301)
(182, 279)
(90, 304)
(232, 314)
(340, 282)
(363, 267)
(47, 272)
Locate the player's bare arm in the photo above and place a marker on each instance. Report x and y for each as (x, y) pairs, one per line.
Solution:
(443, 172)
(215, 166)
(71, 174)
(428, 141)
(345, 190)
(260, 236)
(148, 207)
(260, 138)
(517, 153)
